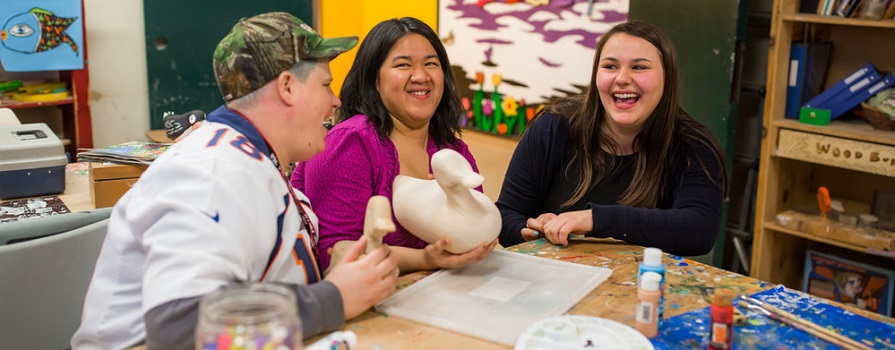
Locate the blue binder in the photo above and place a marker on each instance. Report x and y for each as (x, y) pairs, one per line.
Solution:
(853, 83)
(861, 96)
(854, 89)
(807, 71)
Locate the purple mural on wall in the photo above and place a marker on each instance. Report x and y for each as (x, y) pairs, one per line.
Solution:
(541, 49)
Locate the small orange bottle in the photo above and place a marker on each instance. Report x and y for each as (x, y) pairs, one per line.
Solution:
(721, 332)
(648, 295)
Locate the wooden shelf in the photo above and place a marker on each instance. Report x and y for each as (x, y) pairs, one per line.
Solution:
(836, 20)
(849, 129)
(770, 225)
(22, 105)
(798, 158)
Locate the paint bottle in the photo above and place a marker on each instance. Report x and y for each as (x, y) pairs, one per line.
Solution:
(721, 331)
(652, 262)
(648, 296)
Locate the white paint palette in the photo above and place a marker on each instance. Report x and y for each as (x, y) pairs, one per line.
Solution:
(581, 332)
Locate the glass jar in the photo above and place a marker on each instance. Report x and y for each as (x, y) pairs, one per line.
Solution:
(258, 316)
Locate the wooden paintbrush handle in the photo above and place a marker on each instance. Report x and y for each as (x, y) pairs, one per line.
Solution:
(813, 328)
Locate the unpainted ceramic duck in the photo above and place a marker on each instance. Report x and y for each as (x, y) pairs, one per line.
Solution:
(377, 223)
(448, 206)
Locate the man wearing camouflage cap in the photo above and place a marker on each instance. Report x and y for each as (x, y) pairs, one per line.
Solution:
(215, 209)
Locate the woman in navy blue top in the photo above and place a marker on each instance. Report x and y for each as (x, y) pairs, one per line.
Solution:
(623, 160)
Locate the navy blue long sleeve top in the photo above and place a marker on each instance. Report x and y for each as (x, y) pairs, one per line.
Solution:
(685, 221)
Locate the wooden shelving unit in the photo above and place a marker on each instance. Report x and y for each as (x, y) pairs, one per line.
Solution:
(790, 182)
(23, 105)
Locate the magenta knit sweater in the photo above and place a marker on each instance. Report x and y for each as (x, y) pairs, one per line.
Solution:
(356, 165)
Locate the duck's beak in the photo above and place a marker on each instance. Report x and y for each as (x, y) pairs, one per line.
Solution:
(3, 35)
(473, 180)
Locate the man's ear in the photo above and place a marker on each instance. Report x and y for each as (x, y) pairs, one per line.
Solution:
(286, 88)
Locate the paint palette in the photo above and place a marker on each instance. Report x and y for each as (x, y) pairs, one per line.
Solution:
(581, 332)
(497, 298)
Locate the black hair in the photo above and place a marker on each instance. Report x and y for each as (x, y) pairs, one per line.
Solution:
(360, 96)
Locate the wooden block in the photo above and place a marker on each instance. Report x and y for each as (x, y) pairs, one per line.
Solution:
(108, 182)
(815, 225)
(835, 151)
(107, 193)
(790, 219)
(865, 237)
(108, 171)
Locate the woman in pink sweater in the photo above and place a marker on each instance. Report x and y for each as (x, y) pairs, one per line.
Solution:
(399, 107)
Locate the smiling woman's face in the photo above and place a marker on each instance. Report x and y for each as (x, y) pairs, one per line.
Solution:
(411, 81)
(630, 80)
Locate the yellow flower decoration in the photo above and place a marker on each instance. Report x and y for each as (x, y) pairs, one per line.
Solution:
(510, 107)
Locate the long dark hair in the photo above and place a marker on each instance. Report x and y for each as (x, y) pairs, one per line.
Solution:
(359, 94)
(662, 136)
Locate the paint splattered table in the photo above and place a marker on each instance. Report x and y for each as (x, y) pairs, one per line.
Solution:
(690, 285)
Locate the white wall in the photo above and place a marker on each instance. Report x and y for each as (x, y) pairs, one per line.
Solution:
(116, 53)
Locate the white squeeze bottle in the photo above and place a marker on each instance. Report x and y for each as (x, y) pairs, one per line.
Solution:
(652, 262)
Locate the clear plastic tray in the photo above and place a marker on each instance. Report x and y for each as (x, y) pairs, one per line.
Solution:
(497, 298)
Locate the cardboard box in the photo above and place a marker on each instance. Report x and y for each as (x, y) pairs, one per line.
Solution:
(32, 161)
(861, 285)
(108, 182)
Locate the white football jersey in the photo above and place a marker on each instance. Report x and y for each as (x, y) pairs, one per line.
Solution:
(212, 210)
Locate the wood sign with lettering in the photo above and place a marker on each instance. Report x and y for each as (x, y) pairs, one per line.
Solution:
(839, 152)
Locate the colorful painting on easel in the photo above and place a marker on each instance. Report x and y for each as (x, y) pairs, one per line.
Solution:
(42, 35)
(512, 56)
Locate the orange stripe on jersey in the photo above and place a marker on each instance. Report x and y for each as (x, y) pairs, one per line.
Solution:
(298, 260)
(311, 259)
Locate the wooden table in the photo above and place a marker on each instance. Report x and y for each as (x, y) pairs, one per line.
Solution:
(690, 285)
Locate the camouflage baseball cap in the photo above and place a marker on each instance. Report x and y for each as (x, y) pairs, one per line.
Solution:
(259, 48)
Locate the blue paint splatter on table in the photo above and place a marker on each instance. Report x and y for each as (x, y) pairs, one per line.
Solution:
(690, 330)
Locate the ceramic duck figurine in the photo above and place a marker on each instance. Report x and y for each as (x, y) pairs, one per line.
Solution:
(448, 206)
(377, 223)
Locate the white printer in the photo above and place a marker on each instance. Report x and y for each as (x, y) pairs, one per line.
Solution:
(32, 161)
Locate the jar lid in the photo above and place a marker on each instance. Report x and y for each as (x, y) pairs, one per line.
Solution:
(652, 256)
(650, 281)
(723, 297)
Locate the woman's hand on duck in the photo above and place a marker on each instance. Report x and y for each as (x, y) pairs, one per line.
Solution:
(534, 228)
(437, 257)
(558, 229)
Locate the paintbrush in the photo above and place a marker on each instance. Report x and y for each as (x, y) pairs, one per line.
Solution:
(801, 324)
